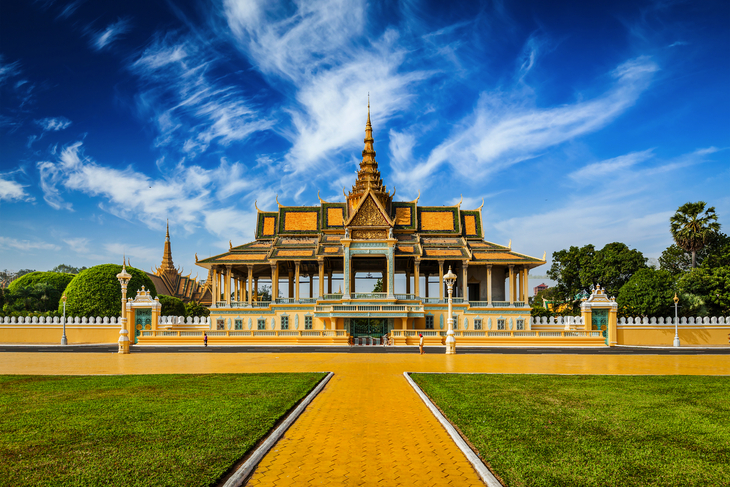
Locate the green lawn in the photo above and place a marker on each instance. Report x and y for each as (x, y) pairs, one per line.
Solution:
(137, 429)
(544, 430)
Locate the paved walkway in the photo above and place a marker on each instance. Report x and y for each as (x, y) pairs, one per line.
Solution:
(367, 427)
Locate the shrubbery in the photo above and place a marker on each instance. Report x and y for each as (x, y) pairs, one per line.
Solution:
(196, 309)
(96, 291)
(171, 306)
(35, 292)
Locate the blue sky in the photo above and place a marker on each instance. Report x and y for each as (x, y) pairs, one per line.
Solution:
(575, 122)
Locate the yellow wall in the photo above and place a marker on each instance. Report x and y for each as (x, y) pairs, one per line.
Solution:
(663, 335)
(52, 333)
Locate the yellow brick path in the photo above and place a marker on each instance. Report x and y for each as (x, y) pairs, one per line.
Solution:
(367, 427)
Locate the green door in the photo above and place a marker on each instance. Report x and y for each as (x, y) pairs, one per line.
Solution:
(368, 327)
(143, 321)
(599, 321)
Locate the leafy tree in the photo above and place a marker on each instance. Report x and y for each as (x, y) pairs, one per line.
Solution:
(378, 288)
(705, 292)
(67, 269)
(96, 291)
(676, 260)
(692, 226)
(2, 298)
(171, 306)
(264, 293)
(196, 309)
(578, 268)
(37, 291)
(649, 292)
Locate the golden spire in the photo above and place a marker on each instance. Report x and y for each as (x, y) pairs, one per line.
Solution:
(368, 177)
(167, 264)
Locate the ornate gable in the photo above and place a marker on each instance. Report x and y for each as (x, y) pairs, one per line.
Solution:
(369, 215)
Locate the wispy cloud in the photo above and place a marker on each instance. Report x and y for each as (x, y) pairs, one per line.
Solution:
(11, 190)
(104, 38)
(25, 245)
(79, 245)
(190, 197)
(503, 130)
(190, 107)
(609, 167)
(322, 50)
(52, 124)
(145, 254)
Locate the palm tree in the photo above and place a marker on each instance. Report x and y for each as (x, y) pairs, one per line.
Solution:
(691, 229)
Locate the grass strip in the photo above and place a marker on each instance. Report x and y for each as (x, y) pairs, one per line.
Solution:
(545, 430)
(137, 430)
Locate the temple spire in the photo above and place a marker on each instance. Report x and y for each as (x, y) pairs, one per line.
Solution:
(368, 176)
(167, 254)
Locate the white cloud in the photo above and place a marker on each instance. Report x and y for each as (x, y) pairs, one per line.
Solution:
(190, 108)
(503, 131)
(609, 167)
(145, 254)
(53, 124)
(103, 39)
(11, 190)
(321, 48)
(25, 245)
(189, 197)
(78, 245)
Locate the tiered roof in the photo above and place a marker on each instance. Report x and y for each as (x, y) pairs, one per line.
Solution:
(425, 232)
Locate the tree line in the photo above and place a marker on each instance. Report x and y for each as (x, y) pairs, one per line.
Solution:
(696, 267)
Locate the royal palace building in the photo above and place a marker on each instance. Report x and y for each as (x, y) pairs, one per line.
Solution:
(314, 261)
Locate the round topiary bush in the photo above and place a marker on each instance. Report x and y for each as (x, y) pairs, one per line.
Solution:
(171, 306)
(37, 291)
(96, 291)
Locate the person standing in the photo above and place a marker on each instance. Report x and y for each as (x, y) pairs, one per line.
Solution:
(420, 342)
(205, 339)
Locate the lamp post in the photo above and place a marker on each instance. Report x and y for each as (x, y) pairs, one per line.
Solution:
(123, 278)
(676, 330)
(64, 341)
(450, 279)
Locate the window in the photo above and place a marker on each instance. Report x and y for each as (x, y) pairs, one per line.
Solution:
(500, 324)
(520, 324)
(261, 325)
(477, 324)
(307, 322)
(284, 322)
(239, 325)
(429, 322)
(220, 324)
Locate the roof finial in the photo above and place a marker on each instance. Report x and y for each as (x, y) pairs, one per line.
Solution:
(167, 235)
(368, 108)
(124, 264)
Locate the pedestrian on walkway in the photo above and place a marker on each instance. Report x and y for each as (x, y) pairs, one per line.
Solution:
(420, 342)
(205, 339)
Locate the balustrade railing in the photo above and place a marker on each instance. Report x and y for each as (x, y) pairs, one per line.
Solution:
(370, 296)
(332, 297)
(405, 296)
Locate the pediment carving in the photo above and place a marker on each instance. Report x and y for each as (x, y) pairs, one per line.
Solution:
(369, 215)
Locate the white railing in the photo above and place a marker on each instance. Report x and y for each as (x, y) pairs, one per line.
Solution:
(706, 320)
(370, 296)
(58, 320)
(386, 308)
(332, 297)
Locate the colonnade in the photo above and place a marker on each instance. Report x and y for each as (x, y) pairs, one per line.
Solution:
(239, 286)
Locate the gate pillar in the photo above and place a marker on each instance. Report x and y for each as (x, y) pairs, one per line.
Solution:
(601, 310)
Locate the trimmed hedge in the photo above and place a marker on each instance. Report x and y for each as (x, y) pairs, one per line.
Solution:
(24, 293)
(96, 291)
(171, 306)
